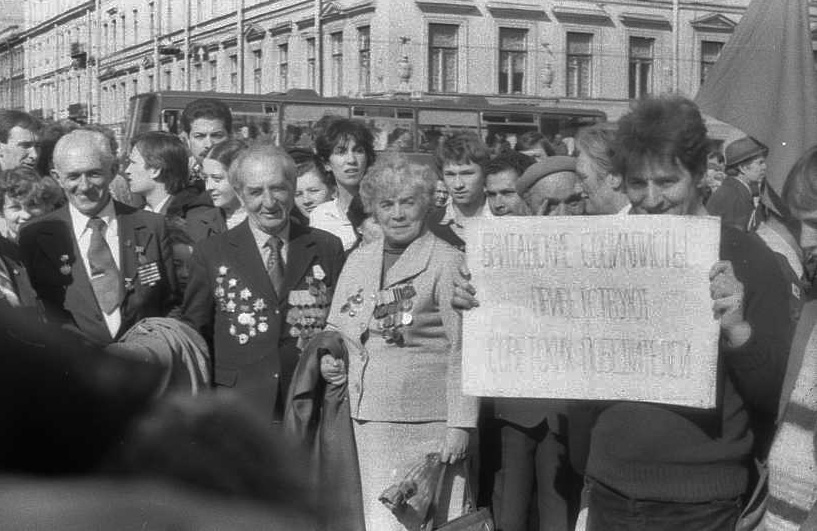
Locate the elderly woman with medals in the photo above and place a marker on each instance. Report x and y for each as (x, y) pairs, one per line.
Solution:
(392, 312)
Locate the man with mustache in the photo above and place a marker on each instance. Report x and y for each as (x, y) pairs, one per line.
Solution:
(259, 291)
(205, 123)
(98, 266)
(19, 140)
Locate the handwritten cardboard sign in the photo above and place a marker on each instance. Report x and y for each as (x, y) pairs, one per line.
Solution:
(602, 307)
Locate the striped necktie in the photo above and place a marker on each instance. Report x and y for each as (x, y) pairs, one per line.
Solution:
(105, 278)
(275, 264)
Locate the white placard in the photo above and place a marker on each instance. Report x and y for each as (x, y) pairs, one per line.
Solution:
(593, 307)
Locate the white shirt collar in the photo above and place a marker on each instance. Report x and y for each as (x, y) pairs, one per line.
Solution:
(625, 210)
(454, 216)
(80, 220)
(159, 207)
(261, 238)
(333, 211)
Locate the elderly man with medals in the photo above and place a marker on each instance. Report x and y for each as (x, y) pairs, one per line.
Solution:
(260, 290)
(391, 313)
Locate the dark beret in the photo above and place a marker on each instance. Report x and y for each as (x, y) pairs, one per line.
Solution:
(544, 168)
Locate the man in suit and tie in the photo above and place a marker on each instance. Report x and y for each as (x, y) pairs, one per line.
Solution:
(259, 291)
(98, 266)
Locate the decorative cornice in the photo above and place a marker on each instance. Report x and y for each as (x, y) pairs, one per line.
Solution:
(582, 14)
(253, 32)
(714, 23)
(281, 28)
(645, 20)
(512, 10)
(306, 23)
(453, 7)
(331, 11)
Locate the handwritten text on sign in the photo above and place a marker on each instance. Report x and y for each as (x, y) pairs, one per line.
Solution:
(603, 307)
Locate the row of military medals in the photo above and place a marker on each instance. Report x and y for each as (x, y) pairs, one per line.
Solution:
(392, 310)
(308, 309)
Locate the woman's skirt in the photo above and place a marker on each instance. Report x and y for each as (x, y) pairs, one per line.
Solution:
(386, 452)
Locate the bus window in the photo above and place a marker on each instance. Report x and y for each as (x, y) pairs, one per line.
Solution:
(170, 120)
(433, 124)
(299, 119)
(256, 126)
(501, 127)
(565, 125)
(393, 128)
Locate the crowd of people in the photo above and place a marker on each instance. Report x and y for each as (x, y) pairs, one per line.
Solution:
(279, 329)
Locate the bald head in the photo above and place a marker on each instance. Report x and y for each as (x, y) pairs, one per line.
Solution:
(85, 142)
(83, 165)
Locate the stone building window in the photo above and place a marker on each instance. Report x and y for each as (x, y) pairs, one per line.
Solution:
(710, 50)
(234, 73)
(213, 74)
(579, 64)
(337, 62)
(641, 66)
(443, 48)
(513, 56)
(311, 63)
(364, 63)
(257, 66)
(283, 67)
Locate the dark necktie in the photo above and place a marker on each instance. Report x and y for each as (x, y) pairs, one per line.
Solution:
(104, 274)
(275, 264)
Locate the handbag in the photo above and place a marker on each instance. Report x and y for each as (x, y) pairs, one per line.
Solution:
(474, 519)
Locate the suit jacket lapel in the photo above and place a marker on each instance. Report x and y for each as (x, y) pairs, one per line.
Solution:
(131, 235)
(245, 253)
(413, 261)
(302, 250)
(80, 295)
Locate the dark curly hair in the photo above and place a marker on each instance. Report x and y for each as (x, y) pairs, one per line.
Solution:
(666, 128)
(339, 132)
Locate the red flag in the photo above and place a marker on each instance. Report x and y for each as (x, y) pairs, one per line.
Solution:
(765, 84)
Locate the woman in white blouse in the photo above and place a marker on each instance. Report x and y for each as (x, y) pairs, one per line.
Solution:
(346, 149)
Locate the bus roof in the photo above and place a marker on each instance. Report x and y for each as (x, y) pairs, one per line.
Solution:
(307, 96)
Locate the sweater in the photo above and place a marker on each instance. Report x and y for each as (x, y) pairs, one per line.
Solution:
(793, 457)
(666, 453)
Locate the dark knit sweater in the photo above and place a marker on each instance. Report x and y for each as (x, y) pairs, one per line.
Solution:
(665, 453)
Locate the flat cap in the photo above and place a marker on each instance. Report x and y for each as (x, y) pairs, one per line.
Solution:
(742, 150)
(544, 168)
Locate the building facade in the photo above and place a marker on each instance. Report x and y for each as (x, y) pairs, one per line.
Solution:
(85, 59)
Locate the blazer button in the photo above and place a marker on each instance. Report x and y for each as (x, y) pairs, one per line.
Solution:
(275, 375)
(277, 312)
